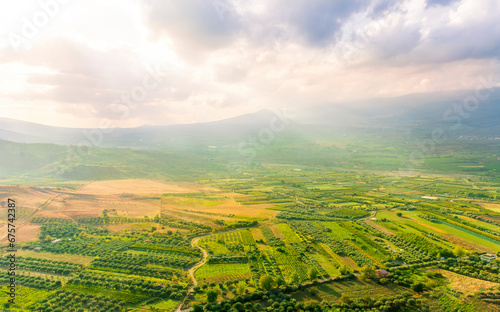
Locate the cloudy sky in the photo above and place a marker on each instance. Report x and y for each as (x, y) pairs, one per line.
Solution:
(128, 63)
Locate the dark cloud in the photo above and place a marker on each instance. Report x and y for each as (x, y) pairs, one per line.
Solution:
(314, 22)
(195, 26)
(319, 20)
(440, 2)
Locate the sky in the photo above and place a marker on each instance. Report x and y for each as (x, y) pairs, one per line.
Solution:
(125, 63)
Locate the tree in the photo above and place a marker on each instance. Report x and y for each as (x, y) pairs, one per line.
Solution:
(197, 308)
(343, 270)
(383, 281)
(418, 287)
(367, 272)
(313, 273)
(266, 282)
(280, 281)
(459, 251)
(399, 214)
(212, 295)
(241, 289)
(294, 279)
(238, 306)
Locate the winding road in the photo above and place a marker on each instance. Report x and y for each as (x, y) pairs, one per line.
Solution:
(191, 271)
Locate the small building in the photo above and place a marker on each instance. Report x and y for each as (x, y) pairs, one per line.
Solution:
(296, 170)
(327, 230)
(488, 257)
(382, 273)
(159, 286)
(429, 197)
(56, 241)
(37, 249)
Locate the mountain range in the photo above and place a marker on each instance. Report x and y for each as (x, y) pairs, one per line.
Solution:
(372, 134)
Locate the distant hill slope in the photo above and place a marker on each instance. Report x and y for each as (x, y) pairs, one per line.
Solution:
(414, 111)
(19, 161)
(183, 136)
(407, 115)
(377, 134)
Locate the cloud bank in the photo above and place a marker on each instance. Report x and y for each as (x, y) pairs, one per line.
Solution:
(200, 60)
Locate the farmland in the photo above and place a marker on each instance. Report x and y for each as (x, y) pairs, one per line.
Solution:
(315, 236)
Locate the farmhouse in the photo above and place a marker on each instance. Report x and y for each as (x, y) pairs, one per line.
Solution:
(37, 249)
(56, 241)
(382, 273)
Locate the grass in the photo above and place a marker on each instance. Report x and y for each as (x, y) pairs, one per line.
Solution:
(337, 231)
(481, 223)
(327, 265)
(221, 272)
(465, 284)
(166, 305)
(25, 298)
(439, 228)
(288, 233)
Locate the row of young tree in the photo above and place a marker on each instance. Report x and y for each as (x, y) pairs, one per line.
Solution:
(132, 284)
(73, 301)
(42, 265)
(279, 300)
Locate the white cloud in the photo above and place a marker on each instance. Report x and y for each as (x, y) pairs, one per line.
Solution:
(226, 57)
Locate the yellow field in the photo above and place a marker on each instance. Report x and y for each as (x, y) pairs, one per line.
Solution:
(28, 200)
(465, 284)
(31, 197)
(27, 233)
(128, 198)
(257, 234)
(224, 204)
(85, 260)
(141, 187)
(131, 198)
(491, 206)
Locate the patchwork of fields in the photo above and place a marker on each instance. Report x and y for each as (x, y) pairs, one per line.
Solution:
(127, 245)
